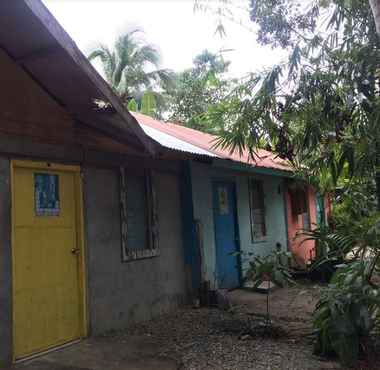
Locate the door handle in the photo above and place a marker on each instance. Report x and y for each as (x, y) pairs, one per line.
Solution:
(75, 251)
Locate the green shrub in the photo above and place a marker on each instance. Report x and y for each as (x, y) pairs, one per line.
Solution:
(346, 313)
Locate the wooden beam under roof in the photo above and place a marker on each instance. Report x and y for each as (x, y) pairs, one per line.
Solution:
(37, 54)
(64, 40)
(29, 33)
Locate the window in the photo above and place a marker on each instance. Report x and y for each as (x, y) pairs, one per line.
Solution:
(298, 199)
(139, 221)
(256, 203)
(305, 221)
(300, 208)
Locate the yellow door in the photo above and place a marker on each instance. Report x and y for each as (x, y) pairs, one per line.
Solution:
(48, 294)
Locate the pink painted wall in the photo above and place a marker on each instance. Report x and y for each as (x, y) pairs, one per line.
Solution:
(303, 251)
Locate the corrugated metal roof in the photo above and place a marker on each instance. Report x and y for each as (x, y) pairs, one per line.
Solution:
(171, 142)
(189, 140)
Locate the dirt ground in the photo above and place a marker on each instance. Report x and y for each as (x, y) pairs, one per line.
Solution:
(214, 339)
(290, 308)
(233, 338)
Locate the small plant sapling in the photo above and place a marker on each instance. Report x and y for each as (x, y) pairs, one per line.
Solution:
(272, 268)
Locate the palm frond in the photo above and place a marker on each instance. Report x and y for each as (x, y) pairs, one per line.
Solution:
(107, 58)
(125, 65)
(164, 77)
(146, 54)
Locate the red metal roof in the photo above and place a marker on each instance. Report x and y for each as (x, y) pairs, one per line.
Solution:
(205, 141)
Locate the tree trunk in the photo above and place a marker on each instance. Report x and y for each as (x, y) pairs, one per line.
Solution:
(378, 189)
(375, 6)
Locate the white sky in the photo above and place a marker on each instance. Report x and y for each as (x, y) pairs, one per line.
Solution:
(171, 25)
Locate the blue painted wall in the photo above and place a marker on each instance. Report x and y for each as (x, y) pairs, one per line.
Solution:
(202, 176)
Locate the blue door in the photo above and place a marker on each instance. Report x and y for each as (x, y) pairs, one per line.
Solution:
(226, 236)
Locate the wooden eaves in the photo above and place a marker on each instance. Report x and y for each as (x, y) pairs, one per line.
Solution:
(33, 38)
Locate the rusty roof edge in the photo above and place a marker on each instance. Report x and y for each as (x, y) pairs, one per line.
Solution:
(66, 42)
(171, 130)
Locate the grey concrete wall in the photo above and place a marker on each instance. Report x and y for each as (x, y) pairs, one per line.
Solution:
(118, 293)
(122, 293)
(5, 265)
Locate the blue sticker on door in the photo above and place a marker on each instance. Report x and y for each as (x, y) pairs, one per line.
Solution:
(46, 194)
(226, 236)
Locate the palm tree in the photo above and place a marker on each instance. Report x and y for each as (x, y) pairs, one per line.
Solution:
(131, 67)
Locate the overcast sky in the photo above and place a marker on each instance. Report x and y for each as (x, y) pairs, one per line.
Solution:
(178, 32)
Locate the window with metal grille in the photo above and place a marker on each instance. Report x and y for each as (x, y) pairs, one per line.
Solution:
(300, 207)
(139, 220)
(257, 209)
